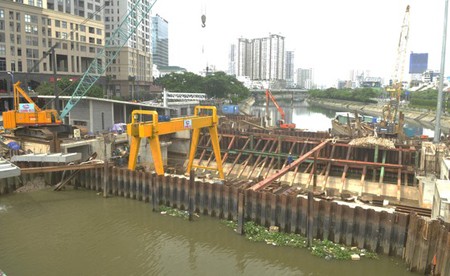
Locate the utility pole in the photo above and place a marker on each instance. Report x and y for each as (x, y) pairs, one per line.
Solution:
(437, 129)
(57, 107)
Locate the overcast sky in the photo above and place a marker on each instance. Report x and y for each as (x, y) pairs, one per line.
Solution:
(330, 36)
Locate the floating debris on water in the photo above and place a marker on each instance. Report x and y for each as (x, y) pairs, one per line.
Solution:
(324, 249)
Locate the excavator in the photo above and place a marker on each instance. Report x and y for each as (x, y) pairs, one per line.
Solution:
(281, 123)
(33, 121)
(28, 119)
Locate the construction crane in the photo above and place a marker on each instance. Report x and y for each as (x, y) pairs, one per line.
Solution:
(395, 87)
(28, 119)
(113, 45)
(281, 123)
(28, 114)
(151, 130)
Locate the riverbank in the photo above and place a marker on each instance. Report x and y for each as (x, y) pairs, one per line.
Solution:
(425, 117)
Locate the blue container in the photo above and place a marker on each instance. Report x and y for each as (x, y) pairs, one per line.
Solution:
(230, 109)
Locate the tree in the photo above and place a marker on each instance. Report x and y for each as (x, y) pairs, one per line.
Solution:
(218, 85)
(66, 87)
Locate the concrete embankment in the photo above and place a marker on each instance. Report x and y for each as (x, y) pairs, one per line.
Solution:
(425, 117)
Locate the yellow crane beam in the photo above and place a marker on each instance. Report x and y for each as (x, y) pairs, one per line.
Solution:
(151, 130)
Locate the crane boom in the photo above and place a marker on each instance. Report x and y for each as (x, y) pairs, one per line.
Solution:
(395, 87)
(113, 45)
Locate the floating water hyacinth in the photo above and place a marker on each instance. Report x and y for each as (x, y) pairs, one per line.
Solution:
(324, 249)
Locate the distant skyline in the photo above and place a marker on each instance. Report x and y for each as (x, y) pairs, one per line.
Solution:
(332, 37)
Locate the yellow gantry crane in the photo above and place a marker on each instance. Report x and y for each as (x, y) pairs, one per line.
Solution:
(151, 130)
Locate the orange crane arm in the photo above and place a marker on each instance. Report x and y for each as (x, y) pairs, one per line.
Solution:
(270, 96)
(18, 90)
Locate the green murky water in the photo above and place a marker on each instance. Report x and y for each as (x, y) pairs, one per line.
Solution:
(76, 232)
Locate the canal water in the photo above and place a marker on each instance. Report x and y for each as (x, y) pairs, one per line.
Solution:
(77, 232)
(315, 118)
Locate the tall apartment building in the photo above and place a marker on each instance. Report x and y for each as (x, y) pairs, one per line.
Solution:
(232, 60)
(305, 78)
(160, 41)
(289, 71)
(130, 74)
(28, 29)
(261, 58)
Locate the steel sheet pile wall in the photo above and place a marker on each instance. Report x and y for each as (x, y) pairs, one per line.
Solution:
(8, 185)
(380, 231)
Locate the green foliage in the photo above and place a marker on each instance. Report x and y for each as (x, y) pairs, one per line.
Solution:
(218, 85)
(364, 95)
(324, 249)
(96, 91)
(66, 87)
(165, 210)
(424, 99)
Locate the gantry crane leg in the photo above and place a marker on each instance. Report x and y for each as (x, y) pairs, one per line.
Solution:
(216, 148)
(134, 150)
(193, 149)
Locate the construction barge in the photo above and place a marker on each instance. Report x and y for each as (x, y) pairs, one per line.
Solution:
(365, 195)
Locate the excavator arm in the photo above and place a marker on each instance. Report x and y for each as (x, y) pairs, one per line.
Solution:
(270, 96)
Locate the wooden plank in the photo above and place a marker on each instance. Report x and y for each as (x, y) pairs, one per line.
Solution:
(433, 244)
(446, 259)
(416, 250)
(411, 238)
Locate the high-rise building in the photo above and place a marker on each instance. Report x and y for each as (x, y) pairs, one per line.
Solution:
(289, 71)
(232, 60)
(305, 78)
(130, 74)
(261, 58)
(29, 29)
(160, 41)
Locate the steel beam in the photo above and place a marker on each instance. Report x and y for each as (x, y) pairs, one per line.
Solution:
(284, 170)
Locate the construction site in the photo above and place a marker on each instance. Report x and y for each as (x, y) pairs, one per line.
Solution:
(384, 193)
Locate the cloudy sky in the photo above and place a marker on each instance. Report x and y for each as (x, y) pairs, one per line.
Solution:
(330, 36)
